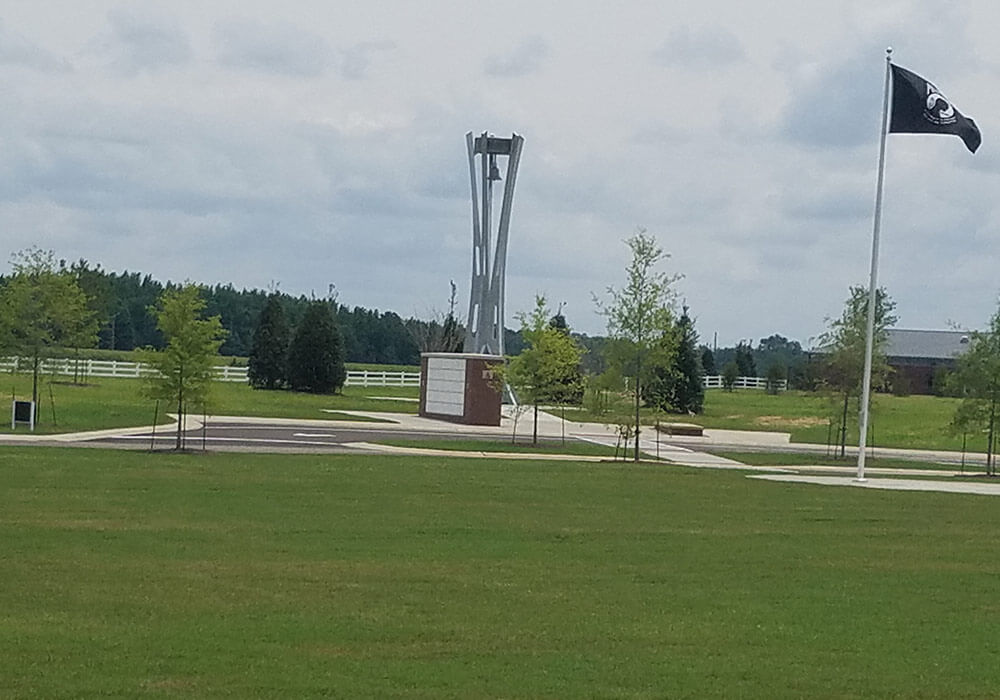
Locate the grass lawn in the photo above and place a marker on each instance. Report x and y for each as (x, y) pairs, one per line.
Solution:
(780, 459)
(897, 421)
(570, 447)
(117, 403)
(133, 575)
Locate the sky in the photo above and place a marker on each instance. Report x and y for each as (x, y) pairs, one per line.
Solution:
(305, 144)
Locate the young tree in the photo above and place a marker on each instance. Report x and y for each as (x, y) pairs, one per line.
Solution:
(548, 369)
(977, 381)
(730, 373)
(42, 307)
(640, 314)
(776, 372)
(269, 353)
(184, 368)
(844, 343)
(316, 354)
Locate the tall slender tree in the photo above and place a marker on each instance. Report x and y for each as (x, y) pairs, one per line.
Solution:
(844, 345)
(268, 362)
(183, 370)
(640, 314)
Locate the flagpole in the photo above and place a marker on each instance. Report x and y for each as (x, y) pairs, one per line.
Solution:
(866, 382)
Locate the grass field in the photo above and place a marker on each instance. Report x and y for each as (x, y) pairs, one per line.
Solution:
(914, 421)
(779, 459)
(569, 447)
(169, 575)
(896, 421)
(116, 403)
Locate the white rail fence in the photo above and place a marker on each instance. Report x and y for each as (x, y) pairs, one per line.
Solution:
(714, 381)
(114, 368)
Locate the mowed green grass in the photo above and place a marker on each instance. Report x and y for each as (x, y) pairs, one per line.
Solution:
(164, 575)
(116, 403)
(543, 447)
(896, 421)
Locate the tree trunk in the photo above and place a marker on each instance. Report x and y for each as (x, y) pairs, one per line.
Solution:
(36, 362)
(990, 466)
(843, 428)
(534, 430)
(638, 371)
(180, 420)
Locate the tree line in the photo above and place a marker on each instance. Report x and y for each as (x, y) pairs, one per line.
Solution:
(123, 307)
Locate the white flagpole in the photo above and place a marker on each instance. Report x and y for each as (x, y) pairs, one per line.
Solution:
(866, 383)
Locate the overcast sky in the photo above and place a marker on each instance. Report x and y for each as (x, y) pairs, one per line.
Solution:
(314, 143)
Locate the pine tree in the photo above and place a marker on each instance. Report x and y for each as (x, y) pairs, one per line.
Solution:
(269, 352)
(744, 360)
(688, 395)
(708, 361)
(678, 386)
(316, 354)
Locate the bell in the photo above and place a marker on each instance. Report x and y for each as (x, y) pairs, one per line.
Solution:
(494, 170)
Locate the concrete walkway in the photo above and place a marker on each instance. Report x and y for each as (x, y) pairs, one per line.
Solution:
(985, 489)
(679, 450)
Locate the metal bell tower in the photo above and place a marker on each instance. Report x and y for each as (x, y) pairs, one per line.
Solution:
(484, 330)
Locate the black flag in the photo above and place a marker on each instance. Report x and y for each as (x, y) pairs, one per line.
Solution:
(918, 107)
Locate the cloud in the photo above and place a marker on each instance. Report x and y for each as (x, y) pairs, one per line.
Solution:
(835, 105)
(18, 50)
(278, 48)
(135, 43)
(356, 60)
(699, 48)
(523, 59)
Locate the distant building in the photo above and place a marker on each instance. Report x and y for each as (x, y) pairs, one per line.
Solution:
(917, 356)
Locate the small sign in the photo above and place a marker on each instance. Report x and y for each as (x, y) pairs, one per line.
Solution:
(22, 412)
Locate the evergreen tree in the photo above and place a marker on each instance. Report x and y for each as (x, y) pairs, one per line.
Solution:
(708, 361)
(688, 395)
(678, 387)
(744, 360)
(316, 354)
(269, 352)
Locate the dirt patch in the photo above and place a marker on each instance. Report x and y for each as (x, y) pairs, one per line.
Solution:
(786, 422)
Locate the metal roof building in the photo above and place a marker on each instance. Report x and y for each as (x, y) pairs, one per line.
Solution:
(929, 345)
(917, 356)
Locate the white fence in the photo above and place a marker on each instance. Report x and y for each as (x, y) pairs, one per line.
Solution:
(113, 368)
(364, 377)
(361, 377)
(714, 381)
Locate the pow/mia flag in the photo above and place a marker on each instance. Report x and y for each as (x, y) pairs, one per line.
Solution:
(918, 107)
